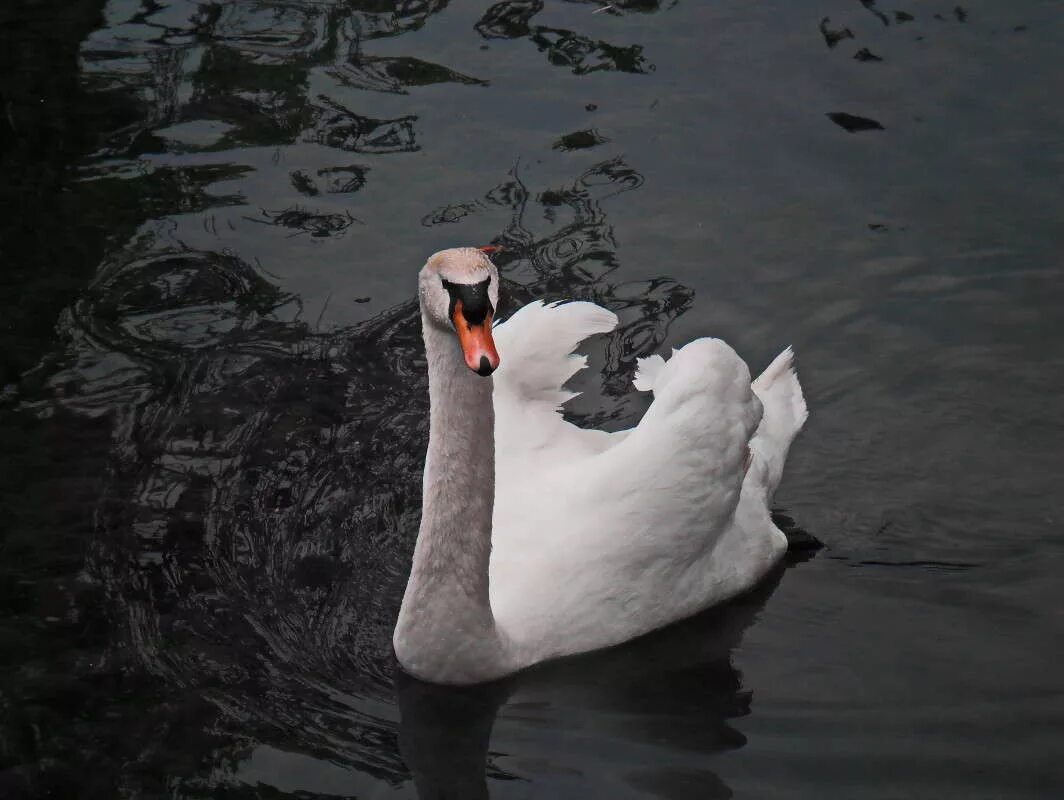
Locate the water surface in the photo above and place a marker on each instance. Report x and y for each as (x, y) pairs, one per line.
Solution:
(213, 401)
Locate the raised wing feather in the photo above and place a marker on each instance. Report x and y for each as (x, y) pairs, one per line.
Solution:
(536, 350)
(536, 347)
(785, 414)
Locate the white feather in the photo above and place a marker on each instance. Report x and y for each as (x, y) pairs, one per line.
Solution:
(647, 371)
(538, 341)
(601, 537)
(536, 348)
(595, 538)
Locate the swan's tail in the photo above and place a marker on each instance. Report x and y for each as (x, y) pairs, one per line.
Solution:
(785, 412)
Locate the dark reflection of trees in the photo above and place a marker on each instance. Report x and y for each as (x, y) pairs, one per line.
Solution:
(301, 221)
(379, 18)
(334, 125)
(511, 19)
(263, 486)
(254, 482)
(576, 259)
(623, 6)
(47, 122)
(833, 36)
(330, 180)
(580, 140)
(395, 74)
(567, 49)
(871, 6)
(851, 123)
(253, 72)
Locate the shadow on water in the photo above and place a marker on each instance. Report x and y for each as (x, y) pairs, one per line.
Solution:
(667, 697)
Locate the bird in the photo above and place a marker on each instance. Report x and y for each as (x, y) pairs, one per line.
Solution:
(540, 539)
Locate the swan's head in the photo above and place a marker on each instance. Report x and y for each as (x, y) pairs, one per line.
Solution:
(459, 292)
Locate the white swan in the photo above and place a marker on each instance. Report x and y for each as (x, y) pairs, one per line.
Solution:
(540, 539)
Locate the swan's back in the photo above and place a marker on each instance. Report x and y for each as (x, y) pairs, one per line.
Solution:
(601, 537)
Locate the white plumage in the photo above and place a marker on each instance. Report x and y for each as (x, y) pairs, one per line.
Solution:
(601, 537)
(595, 537)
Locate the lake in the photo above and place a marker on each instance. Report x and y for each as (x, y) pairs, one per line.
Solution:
(213, 407)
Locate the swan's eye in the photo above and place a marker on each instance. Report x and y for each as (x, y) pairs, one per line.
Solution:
(476, 305)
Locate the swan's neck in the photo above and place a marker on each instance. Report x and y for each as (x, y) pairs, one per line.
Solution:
(446, 632)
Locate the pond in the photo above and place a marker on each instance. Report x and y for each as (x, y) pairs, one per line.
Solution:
(213, 406)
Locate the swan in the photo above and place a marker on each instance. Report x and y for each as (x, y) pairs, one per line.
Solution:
(540, 539)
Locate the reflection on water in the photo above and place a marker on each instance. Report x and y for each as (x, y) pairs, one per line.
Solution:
(213, 467)
(668, 698)
(248, 64)
(255, 523)
(264, 478)
(261, 496)
(511, 19)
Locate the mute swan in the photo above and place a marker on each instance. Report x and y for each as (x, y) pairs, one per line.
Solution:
(540, 539)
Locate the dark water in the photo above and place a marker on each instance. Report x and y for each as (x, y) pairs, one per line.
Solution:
(213, 408)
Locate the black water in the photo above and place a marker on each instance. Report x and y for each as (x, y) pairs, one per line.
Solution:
(213, 403)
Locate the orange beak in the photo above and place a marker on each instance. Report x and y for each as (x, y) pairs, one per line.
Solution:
(477, 345)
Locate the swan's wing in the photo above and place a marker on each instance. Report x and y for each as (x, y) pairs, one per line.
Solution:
(702, 419)
(785, 414)
(674, 479)
(647, 371)
(536, 358)
(537, 344)
(647, 531)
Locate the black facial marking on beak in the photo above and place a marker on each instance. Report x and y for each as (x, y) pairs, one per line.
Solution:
(485, 367)
(474, 296)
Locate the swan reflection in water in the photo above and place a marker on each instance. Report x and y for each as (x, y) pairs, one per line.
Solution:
(639, 720)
